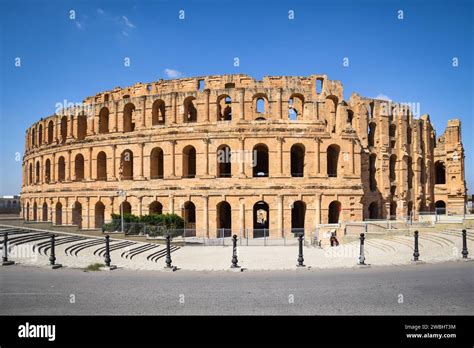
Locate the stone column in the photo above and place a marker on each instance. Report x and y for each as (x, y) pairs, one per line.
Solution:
(280, 140)
(173, 160)
(318, 156)
(116, 110)
(242, 158)
(242, 104)
(90, 164)
(174, 109)
(88, 212)
(114, 164)
(317, 211)
(68, 178)
(143, 125)
(140, 206)
(140, 175)
(71, 127)
(53, 169)
(57, 125)
(242, 217)
(206, 216)
(206, 105)
(171, 204)
(280, 103)
(206, 156)
(280, 215)
(352, 156)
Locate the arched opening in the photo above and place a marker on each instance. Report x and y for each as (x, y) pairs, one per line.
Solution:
(297, 160)
(33, 137)
(224, 108)
(332, 160)
(393, 210)
(372, 171)
(392, 131)
(99, 214)
(61, 169)
(350, 116)
(37, 173)
(190, 111)
(371, 135)
(158, 112)
(30, 174)
(59, 214)
(392, 167)
(331, 109)
(319, 85)
(63, 129)
(333, 212)
(295, 107)
(101, 166)
(40, 135)
(409, 135)
(189, 215)
(224, 220)
(260, 105)
(126, 165)
(126, 208)
(440, 173)
(261, 219)
(409, 172)
(35, 212)
(298, 212)
(373, 211)
(156, 163)
(79, 167)
(409, 208)
(45, 212)
(47, 171)
(189, 162)
(260, 161)
(129, 117)
(77, 214)
(155, 208)
(104, 120)
(27, 211)
(224, 162)
(440, 207)
(81, 127)
(50, 131)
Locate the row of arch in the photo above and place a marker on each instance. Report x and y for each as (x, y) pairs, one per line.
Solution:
(261, 215)
(224, 163)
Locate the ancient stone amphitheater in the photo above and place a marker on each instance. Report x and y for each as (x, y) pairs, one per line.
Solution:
(232, 153)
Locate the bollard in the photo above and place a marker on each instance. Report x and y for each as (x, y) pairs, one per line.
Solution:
(234, 252)
(107, 251)
(361, 256)
(5, 261)
(168, 252)
(416, 252)
(300, 251)
(52, 257)
(464, 245)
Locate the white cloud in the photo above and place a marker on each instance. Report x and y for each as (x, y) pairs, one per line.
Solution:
(383, 97)
(172, 74)
(127, 22)
(79, 25)
(100, 11)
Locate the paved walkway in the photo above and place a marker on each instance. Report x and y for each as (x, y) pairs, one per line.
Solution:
(32, 247)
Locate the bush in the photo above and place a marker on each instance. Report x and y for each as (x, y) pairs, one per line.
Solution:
(153, 224)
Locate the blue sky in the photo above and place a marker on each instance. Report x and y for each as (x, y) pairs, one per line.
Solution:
(408, 60)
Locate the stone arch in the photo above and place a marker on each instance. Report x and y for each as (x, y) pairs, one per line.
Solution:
(40, 135)
(392, 167)
(189, 215)
(332, 154)
(260, 104)
(224, 161)
(331, 108)
(79, 167)
(77, 214)
(392, 133)
(224, 108)
(63, 129)
(224, 219)
(190, 111)
(334, 211)
(158, 112)
(373, 211)
(101, 164)
(59, 214)
(189, 162)
(156, 163)
(409, 164)
(81, 127)
(126, 207)
(440, 173)
(296, 107)
(297, 159)
(37, 173)
(104, 120)
(261, 219)
(44, 212)
(393, 210)
(440, 207)
(260, 158)
(99, 214)
(33, 137)
(27, 211)
(50, 131)
(47, 171)
(61, 169)
(371, 133)
(126, 165)
(30, 174)
(155, 207)
(298, 213)
(372, 172)
(35, 211)
(128, 117)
